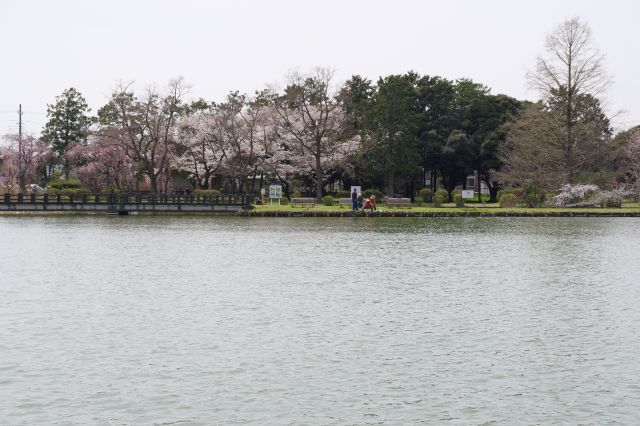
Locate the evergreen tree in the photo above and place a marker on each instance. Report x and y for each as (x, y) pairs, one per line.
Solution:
(68, 125)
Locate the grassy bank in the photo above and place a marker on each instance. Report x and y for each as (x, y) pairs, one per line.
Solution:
(628, 209)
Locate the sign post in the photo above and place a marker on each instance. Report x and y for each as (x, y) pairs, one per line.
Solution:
(275, 193)
(468, 193)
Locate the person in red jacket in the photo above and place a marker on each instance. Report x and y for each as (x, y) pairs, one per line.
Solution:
(370, 203)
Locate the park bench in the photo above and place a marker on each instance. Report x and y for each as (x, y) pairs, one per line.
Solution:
(303, 202)
(392, 202)
(344, 202)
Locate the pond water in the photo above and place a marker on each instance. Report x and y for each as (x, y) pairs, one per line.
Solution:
(223, 320)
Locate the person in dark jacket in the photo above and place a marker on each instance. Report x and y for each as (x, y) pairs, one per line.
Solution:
(354, 200)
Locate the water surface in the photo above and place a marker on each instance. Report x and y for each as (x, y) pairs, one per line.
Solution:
(201, 320)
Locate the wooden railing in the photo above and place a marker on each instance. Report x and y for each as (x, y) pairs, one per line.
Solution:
(243, 200)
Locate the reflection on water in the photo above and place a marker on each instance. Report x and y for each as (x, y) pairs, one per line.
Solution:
(199, 320)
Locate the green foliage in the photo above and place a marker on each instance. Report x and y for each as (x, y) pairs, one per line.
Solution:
(110, 190)
(343, 194)
(393, 122)
(328, 200)
(508, 200)
(443, 194)
(372, 191)
(458, 200)
(532, 195)
(284, 201)
(64, 184)
(438, 199)
(426, 194)
(68, 123)
(509, 190)
(206, 192)
(67, 193)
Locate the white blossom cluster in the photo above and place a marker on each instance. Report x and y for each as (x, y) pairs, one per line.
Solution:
(587, 196)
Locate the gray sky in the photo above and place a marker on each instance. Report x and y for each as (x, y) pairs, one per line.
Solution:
(218, 46)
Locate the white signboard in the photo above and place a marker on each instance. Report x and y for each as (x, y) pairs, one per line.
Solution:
(357, 188)
(468, 193)
(275, 191)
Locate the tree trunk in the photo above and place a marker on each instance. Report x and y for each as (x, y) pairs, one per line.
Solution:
(493, 191)
(390, 185)
(154, 183)
(253, 181)
(318, 179)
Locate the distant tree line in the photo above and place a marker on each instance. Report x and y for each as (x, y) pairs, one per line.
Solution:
(398, 134)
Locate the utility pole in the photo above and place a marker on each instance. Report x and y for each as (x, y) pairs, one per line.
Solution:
(21, 182)
(20, 122)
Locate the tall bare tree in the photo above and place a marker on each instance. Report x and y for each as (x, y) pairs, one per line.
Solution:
(570, 71)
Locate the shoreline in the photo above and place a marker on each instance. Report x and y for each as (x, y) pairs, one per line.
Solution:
(404, 213)
(333, 214)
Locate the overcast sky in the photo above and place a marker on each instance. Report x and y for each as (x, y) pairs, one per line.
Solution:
(218, 46)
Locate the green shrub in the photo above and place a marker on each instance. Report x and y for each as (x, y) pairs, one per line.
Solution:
(328, 200)
(532, 195)
(508, 200)
(284, 201)
(343, 194)
(65, 184)
(443, 193)
(367, 193)
(67, 193)
(503, 191)
(457, 198)
(426, 194)
(438, 199)
(207, 192)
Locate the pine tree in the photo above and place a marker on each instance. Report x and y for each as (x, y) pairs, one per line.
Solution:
(68, 125)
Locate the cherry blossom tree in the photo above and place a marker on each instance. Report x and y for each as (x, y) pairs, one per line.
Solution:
(205, 150)
(103, 165)
(312, 121)
(632, 154)
(25, 157)
(145, 128)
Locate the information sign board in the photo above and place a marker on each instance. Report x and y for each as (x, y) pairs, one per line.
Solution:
(468, 193)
